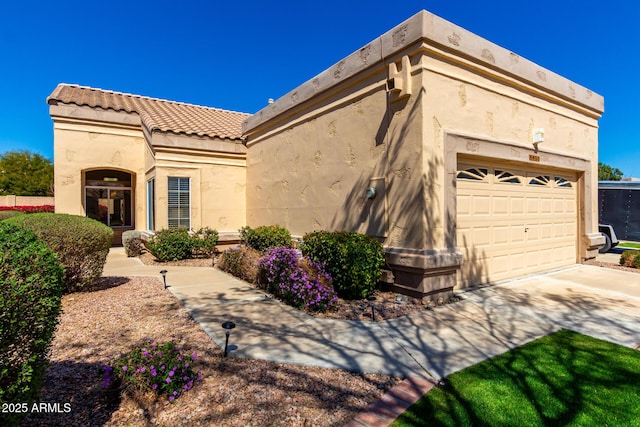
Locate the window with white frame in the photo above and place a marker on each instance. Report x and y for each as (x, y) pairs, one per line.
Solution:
(179, 203)
(151, 209)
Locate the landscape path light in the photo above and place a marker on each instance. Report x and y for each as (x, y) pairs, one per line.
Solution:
(228, 325)
(164, 277)
(371, 300)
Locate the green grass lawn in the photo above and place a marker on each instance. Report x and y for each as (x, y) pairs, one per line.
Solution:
(632, 245)
(562, 379)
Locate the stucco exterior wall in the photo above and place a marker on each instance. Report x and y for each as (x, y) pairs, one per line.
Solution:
(397, 115)
(312, 170)
(82, 146)
(12, 201)
(217, 187)
(472, 101)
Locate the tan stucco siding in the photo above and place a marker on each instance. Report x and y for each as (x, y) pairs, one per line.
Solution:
(84, 146)
(311, 171)
(217, 188)
(475, 102)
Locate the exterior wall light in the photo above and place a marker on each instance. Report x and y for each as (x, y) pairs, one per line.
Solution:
(537, 137)
(164, 277)
(228, 325)
(371, 193)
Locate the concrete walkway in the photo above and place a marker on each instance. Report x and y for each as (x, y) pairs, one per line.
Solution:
(600, 302)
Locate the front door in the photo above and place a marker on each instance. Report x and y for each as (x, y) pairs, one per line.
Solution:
(108, 198)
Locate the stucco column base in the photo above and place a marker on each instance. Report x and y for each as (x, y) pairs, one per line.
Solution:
(429, 274)
(593, 241)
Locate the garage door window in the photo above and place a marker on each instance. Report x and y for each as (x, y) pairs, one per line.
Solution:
(562, 182)
(543, 180)
(506, 177)
(473, 174)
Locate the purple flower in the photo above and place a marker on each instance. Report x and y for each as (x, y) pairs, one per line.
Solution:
(171, 373)
(124, 368)
(193, 356)
(155, 386)
(168, 380)
(171, 398)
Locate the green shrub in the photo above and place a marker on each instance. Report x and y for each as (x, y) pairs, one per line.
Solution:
(82, 244)
(266, 237)
(132, 242)
(626, 259)
(171, 244)
(205, 241)
(31, 288)
(636, 260)
(242, 262)
(353, 260)
(9, 214)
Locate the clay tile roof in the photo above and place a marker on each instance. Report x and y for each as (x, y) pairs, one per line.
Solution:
(156, 114)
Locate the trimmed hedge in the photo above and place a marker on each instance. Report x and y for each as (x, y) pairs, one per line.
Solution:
(266, 237)
(82, 244)
(31, 288)
(174, 244)
(205, 241)
(630, 258)
(9, 214)
(171, 244)
(242, 262)
(353, 260)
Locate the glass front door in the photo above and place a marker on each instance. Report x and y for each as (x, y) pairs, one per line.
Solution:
(111, 206)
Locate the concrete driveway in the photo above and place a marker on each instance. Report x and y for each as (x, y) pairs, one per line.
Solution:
(596, 301)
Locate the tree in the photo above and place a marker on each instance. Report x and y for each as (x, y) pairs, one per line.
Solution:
(607, 173)
(23, 173)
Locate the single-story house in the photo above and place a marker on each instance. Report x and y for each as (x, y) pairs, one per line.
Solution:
(470, 163)
(134, 162)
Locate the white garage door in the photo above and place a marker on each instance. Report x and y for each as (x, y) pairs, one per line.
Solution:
(514, 221)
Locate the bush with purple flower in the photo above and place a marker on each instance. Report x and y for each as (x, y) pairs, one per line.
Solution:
(151, 366)
(298, 281)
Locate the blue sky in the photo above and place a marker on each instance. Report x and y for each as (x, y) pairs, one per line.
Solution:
(237, 55)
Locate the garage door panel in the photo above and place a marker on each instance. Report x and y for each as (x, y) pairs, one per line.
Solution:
(513, 222)
(533, 205)
(547, 206)
(500, 205)
(517, 205)
(464, 205)
(501, 235)
(546, 231)
(481, 205)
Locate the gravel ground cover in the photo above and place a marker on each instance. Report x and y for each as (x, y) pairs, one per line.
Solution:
(122, 311)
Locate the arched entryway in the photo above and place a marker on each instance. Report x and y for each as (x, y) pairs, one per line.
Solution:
(109, 198)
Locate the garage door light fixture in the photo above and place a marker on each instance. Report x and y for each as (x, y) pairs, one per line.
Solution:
(537, 137)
